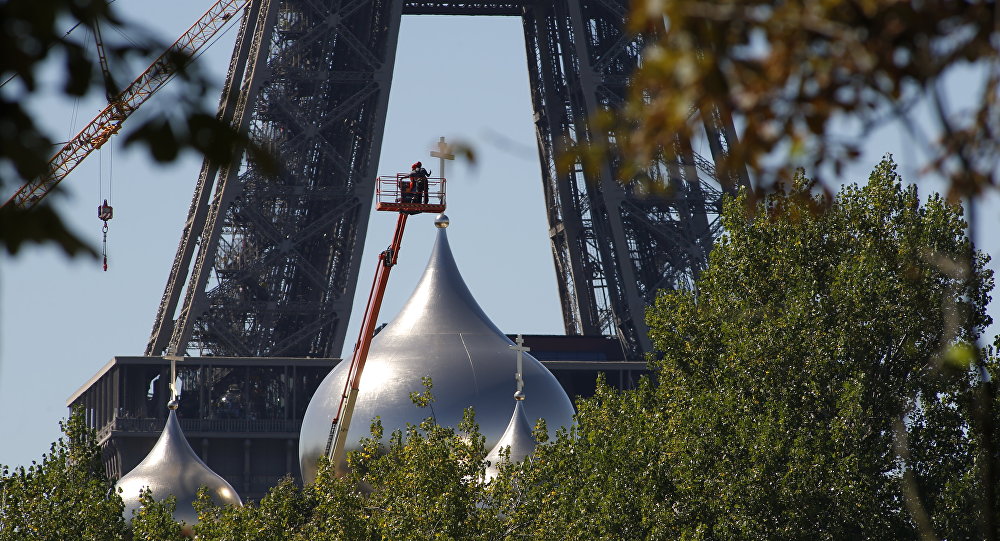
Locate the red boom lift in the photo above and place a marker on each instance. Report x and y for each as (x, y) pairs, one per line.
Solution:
(393, 194)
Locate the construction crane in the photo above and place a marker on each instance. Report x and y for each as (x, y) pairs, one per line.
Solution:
(406, 195)
(110, 120)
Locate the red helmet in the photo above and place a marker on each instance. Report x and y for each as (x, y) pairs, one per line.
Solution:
(416, 165)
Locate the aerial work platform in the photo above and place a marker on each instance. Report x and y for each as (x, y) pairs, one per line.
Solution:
(396, 193)
(406, 193)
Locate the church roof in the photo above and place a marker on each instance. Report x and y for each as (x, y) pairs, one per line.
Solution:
(517, 438)
(441, 332)
(173, 468)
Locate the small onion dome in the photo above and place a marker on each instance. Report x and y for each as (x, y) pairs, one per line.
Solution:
(517, 438)
(441, 332)
(173, 468)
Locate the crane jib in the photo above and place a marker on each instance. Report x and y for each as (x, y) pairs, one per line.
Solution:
(110, 120)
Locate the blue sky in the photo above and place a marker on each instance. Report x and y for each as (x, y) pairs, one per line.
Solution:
(464, 78)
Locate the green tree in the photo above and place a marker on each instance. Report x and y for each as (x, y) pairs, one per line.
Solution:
(811, 386)
(606, 478)
(281, 515)
(423, 483)
(338, 507)
(66, 496)
(154, 520)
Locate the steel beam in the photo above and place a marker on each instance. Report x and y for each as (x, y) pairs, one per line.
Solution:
(615, 241)
(278, 252)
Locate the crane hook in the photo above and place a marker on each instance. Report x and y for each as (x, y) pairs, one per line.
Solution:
(105, 212)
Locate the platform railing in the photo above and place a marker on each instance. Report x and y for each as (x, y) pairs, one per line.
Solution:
(393, 190)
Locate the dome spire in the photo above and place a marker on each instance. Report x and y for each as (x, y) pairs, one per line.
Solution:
(518, 376)
(173, 403)
(518, 437)
(444, 334)
(173, 469)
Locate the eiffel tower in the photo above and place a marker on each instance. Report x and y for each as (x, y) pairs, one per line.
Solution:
(271, 261)
(261, 288)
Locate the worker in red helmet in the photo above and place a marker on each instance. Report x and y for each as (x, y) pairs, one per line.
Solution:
(418, 183)
(407, 186)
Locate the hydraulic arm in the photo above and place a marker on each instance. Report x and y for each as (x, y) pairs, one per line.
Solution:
(335, 444)
(391, 198)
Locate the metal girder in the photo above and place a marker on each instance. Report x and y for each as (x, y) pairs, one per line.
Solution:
(614, 243)
(278, 252)
(248, 41)
(565, 193)
(438, 7)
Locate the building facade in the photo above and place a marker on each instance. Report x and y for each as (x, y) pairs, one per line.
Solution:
(243, 415)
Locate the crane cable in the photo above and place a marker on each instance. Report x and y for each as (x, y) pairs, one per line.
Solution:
(64, 36)
(105, 211)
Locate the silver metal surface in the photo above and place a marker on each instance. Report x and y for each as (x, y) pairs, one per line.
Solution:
(441, 332)
(173, 468)
(517, 438)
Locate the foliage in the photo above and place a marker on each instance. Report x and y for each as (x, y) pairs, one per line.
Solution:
(820, 383)
(811, 80)
(66, 496)
(808, 378)
(280, 516)
(154, 520)
(423, 483)
(425, 398)
(603, 479)
(339, 510)
(32, 39)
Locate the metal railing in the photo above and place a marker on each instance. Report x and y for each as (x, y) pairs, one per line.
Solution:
(393, 189)
(190, 426)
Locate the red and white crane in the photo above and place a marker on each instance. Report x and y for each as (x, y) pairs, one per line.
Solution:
(110, 120)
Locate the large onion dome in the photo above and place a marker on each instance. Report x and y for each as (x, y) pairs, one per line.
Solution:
(173, 469)
(517, 438)
(441, 332)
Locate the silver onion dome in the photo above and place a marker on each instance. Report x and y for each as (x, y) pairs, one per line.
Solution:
(173, 468)
(441, 332)
(517, 438)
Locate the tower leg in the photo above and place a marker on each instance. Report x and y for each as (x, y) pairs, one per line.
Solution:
(278, 251)
(615, 241)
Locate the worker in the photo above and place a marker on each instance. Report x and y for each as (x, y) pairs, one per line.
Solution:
(418, 183)
(405, 189)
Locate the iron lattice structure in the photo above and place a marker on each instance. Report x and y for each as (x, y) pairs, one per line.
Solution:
(271, 261)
